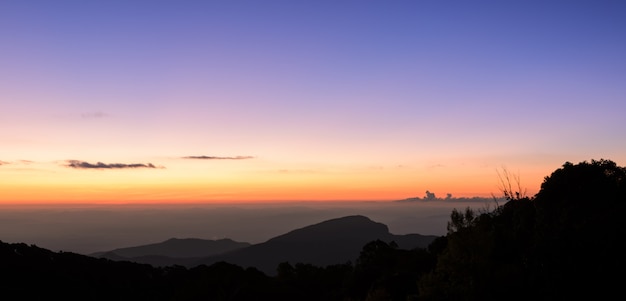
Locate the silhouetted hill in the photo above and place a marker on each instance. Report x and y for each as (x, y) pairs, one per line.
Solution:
(32, 273)
(173, 251)
(330, 242)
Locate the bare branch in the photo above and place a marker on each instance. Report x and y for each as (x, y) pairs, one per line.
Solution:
(506, 185)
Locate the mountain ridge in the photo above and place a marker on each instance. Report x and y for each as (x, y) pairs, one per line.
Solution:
(179, 247)
(333, 241)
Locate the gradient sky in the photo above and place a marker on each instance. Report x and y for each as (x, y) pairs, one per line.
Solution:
(212, 101)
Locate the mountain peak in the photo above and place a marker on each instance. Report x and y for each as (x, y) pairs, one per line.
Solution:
(181, 247)
(347, 227)
(332, 241)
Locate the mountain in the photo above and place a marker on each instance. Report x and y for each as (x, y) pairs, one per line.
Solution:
(330, 242)
(172, 251)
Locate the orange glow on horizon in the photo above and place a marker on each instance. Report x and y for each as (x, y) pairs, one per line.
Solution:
(248, 181)
(362, 188)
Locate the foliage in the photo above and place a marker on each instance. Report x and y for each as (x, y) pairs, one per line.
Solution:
(564, 243)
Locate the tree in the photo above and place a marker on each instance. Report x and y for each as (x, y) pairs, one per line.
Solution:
(579, 228)
(564, 243)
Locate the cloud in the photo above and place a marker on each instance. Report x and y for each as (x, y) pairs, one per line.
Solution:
(436, 166)
(430, 196)
(17, 162)
(218, 158)
(86, 165)
(297, 171)
(94, 115)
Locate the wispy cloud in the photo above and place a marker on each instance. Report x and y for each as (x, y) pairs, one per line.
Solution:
(435, 166)
(16, 162)
(218, 157)
(298, 171)
(94, 115)
(86, 165)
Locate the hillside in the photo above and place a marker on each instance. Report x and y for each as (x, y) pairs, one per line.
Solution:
(334, 241)
(172, 251)
(330, 242)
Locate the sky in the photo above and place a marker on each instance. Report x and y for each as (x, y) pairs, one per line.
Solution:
(246, 101)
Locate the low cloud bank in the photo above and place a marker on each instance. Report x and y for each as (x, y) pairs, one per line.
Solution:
(431, 197)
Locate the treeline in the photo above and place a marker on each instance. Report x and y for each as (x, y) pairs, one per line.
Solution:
(566, 242)
(32, 273)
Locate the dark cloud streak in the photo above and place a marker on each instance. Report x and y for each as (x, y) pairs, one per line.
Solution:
(18, 162)
(86, 165)
(218, 158)
(94, 115)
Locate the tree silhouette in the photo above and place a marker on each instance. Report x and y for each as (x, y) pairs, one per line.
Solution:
(579, 228)
(566, 242)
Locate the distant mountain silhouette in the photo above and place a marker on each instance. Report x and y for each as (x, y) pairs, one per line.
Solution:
(330, 242)
(172, 251)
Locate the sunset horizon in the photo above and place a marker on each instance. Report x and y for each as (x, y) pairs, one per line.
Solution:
(118, 183)
(218, 102)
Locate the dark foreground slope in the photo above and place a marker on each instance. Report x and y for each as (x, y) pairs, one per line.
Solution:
(33, 273)
(330, 242)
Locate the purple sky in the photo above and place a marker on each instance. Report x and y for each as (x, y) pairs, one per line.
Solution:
(332, 93)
